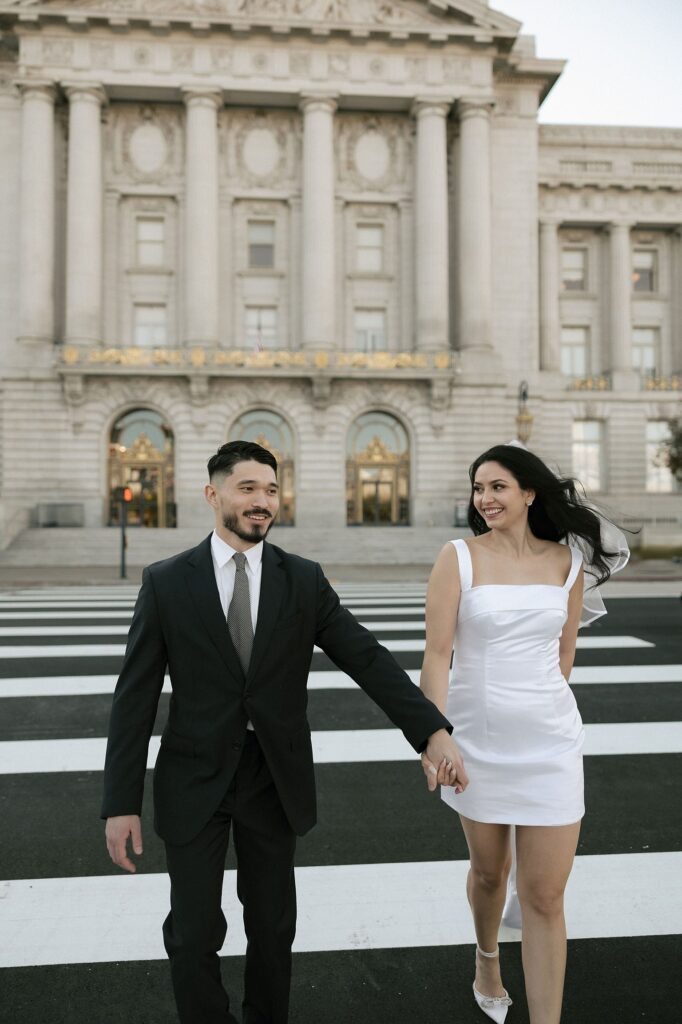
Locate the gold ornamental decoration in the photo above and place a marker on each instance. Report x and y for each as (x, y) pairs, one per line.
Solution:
(266, 359)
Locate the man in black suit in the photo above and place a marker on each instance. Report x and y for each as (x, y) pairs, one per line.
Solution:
(235, 620)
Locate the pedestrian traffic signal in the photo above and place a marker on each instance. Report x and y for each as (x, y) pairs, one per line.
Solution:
(127, 494)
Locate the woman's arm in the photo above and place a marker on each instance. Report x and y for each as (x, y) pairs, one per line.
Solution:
(442, 604)
(569, 634)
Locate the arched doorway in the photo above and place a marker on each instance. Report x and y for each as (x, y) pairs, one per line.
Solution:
(141, 457)
(378, 471)
(269, 429)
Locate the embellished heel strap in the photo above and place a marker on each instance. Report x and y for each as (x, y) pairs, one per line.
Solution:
(491, 956)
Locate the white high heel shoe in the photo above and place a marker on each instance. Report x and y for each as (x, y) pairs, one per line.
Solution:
(494, 1007)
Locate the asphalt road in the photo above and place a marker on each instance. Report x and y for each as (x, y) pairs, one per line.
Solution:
(384, 935)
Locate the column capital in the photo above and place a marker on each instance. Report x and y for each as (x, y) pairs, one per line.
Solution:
(475, 106)
(621, 224)
(91, 92)
(202, 96)
(37, 88)
(431, 106)
(318, 101)
(549, 223)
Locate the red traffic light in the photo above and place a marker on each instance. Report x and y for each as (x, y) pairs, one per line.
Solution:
(127, 494)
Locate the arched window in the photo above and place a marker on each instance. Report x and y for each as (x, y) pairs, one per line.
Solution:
(141, 456)
(272, 431)
(378, 471)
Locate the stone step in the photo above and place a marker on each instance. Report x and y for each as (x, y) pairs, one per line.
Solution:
(339, 546)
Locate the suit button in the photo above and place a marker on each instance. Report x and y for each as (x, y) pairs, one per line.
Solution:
(236, 746)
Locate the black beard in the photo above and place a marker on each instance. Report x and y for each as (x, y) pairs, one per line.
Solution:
(253, 536)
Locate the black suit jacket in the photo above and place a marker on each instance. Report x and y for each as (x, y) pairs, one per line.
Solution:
(178, 622)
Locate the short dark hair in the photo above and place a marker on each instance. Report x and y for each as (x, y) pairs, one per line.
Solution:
(228, 455)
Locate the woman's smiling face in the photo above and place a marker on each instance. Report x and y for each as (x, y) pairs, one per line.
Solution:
(498, 497)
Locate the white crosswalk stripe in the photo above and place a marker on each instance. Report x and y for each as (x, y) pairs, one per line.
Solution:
(363, 906)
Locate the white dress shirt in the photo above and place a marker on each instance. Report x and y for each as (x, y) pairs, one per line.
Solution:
(225, 570)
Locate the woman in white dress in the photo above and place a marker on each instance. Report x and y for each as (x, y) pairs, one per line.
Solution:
(510, 601)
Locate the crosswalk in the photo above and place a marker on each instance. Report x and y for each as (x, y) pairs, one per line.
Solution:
(381, 878)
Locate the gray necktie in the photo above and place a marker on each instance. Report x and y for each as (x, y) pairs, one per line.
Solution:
(239, 613)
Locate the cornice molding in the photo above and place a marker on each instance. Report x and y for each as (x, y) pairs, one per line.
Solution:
(438, 20)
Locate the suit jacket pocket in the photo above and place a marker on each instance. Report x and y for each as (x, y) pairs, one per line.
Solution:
(291, 622)
(176, 744)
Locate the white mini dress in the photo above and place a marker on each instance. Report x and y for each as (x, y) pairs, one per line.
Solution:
(513, 714)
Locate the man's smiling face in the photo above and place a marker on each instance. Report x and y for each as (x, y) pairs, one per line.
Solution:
(245, 502)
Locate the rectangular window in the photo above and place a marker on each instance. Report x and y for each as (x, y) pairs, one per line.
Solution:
(150, 241)
(370, 248)
(659, 479)
(587, 453)
(645, 351)
(150, 327)
(370, 330)
(574, 347)
(644, 270)
(260, 327)
(574, 270)
(261, 244)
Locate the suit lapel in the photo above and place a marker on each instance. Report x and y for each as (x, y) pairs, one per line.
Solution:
(272, 588)
(204, 590)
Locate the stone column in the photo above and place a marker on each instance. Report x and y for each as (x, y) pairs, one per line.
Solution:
(620, 302)
(37, 212)
(475, 225)
(431, 224)
(318, 329)
(550, 327)
(202, 274)
(84, 214)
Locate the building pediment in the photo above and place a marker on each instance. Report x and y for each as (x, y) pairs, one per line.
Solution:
(453, 17)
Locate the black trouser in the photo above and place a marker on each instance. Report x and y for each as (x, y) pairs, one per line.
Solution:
(195, 929)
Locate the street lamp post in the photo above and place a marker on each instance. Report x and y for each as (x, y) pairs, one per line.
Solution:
(524, 419)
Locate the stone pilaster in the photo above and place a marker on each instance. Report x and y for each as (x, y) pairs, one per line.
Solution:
(431, 224)
(620, 305)
(318, 329)
(550, 327)
(201, 227)
(84, 214)
(37, 212)
(475, 227)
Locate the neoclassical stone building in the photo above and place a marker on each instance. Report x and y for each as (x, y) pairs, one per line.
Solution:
(336, 226)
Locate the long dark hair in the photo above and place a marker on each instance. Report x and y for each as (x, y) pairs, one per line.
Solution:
(557, 510)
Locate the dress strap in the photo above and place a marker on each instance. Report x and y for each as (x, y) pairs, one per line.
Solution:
(466, 569)
(576, 562)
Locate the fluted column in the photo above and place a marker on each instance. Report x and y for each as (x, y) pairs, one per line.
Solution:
(431, 224)
(37, 212)
(620, 297)
(550, 329)
(318, 299)
(202, 278)
(84, 214)
(475, 225)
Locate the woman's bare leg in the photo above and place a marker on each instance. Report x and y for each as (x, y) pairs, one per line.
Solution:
(544, 860)
(490, 854)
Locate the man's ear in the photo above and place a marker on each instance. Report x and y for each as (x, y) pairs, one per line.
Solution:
(210, 495)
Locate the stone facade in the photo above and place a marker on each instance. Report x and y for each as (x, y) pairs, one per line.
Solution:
(322, 209)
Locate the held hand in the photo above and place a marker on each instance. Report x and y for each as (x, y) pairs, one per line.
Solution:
(117, 831)
(443, 764)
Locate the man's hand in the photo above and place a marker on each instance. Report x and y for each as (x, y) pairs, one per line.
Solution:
(443, 764)
(117, 831)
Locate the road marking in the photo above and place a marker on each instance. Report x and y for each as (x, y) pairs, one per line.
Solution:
(333, 746)
(71, 686)
(113, 918)
(415, 645)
